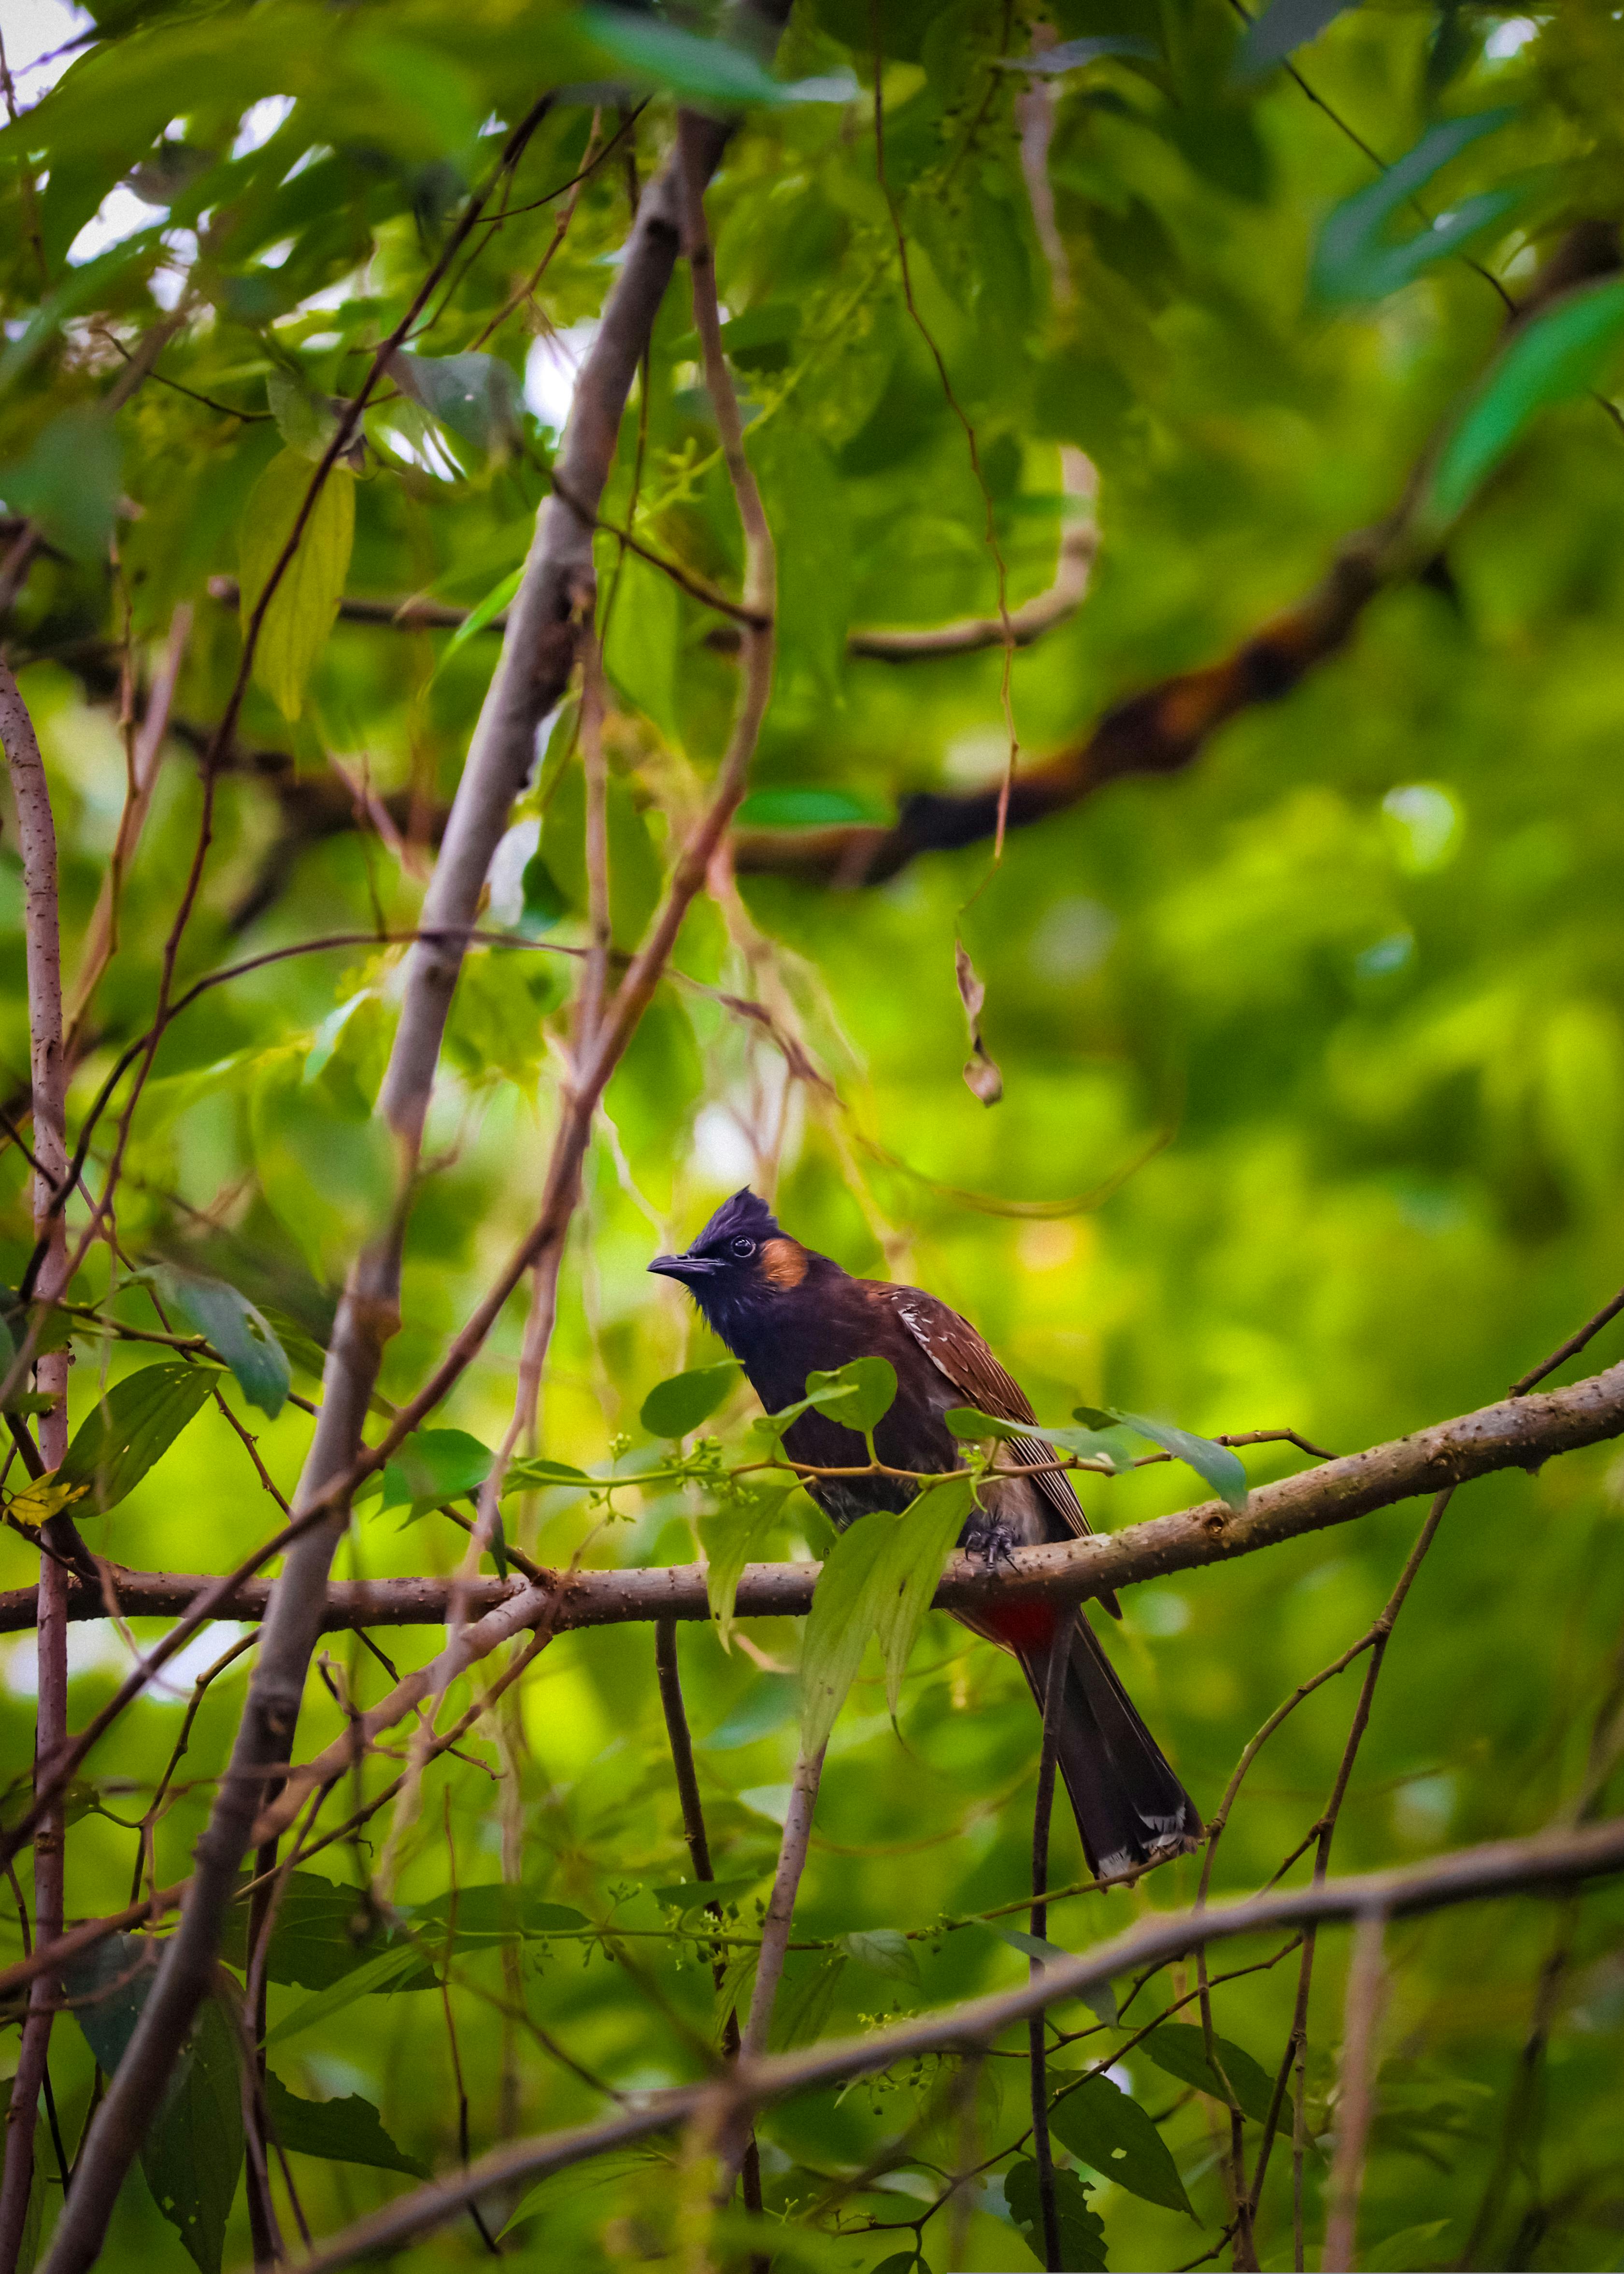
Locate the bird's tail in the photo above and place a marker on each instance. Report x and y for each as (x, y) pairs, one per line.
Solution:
(1130, 1807)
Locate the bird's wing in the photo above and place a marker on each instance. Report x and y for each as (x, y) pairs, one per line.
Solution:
(958, 1351)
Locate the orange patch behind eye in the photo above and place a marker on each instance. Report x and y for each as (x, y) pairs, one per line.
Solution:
(784, 1262)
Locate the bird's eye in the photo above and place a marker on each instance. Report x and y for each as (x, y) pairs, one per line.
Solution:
(743, 1247)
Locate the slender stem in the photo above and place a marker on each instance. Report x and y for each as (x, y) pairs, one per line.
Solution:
(1054, 1706)
(1502, 1868)
(1571, 1348)
(1356, 2093)
(781, 1904)
(699, 1851)
(37, 835)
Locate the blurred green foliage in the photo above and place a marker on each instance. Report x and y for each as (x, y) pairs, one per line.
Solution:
(1360, 970)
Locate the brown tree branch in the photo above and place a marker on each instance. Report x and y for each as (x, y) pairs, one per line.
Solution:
(1160, 731)
(1520, 1433)
(1537, 1865)
(1356, 2089)
(37, 835)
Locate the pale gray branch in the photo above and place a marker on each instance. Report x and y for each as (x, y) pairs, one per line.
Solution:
(1470, 1875)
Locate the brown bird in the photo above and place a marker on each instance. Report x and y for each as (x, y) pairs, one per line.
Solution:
(784, 1311)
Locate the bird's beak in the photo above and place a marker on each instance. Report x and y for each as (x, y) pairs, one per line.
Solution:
(685, 1266)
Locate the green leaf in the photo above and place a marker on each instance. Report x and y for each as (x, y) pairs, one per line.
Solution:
(483, 613)
(1033, 1944)
(70, 482)
(825, 1393)
(634, 872)
(922, 1539)
(1180, 2048)
(845, 1606)
(434, 1466)
(1215, 1463)
(1107, 2130)
(859, 1394)
(727, 1539)
(804, 2007)
(1560, 355)
(391, 1970)
(128, 1429)
(545, 905)
(641, 645)
(680, 1403)
(192, 2154)
(527, 1475)
(1404, 2251)
(242, 1336)
(302, 609)
(476, 395)
(808, 807)
(348, 2131)
(322, 1931)
(768, 1702)
(1109, 1445)
(1271, 37)
(1354, 260)
(108, 1986)
(304, 420)
(1082, 2230)
(883, 1950)
(697, 69)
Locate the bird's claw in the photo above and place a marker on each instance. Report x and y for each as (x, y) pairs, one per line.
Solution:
(995, 1545)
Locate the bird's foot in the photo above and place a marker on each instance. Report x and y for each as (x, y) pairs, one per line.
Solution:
(995, 1540)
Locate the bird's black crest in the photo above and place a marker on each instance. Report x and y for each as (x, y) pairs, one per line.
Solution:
(746, 1212)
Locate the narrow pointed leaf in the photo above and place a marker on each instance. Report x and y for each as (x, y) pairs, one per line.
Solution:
(1356, 258)
(300, 612)
(727, 1539)
(1559, 356)
(1216, 1464)
(130, 1429)
(842, 1618)
(922, 1539)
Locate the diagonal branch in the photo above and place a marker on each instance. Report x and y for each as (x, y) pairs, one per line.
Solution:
(537, 655)
(37, 834)
(1519, 1433)
(1537, 1865)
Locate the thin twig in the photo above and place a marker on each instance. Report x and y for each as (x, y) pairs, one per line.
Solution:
(1571, 1348)
(37, 835)
(1356, 2090)
(1470, 1875)
(1054, 1708)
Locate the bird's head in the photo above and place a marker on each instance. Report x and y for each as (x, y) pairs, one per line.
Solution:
(741, 1266)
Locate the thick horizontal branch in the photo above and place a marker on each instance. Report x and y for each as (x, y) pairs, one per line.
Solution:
(1518, 1432)
(1160, 731)
(1504, 1868)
